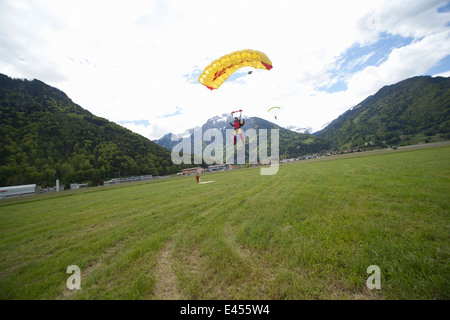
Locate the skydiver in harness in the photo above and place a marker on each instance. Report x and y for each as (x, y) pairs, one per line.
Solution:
(238, 123)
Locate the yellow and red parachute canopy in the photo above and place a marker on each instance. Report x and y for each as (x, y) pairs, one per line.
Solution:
(219, 70)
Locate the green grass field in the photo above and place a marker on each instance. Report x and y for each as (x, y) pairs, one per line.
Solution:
(308, 232)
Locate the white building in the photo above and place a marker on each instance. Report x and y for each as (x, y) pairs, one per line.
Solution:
(17, 191)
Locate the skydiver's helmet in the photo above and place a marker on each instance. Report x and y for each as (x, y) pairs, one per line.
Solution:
(236, 119)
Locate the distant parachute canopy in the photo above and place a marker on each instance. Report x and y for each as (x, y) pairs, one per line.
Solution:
(274, 111)
(219, 70)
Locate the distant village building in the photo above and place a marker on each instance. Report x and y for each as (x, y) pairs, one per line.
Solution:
(192, 170)
(128, 179)
(219, 167)
(258, 163)
(77, 185)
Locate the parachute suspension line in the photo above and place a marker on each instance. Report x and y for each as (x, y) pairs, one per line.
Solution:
(240, 114)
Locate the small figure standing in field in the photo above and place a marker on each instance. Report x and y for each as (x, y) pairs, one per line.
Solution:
(198, 178)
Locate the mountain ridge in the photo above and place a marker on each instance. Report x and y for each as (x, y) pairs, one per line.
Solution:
(46, 136)
(410, 109)
(291, 143)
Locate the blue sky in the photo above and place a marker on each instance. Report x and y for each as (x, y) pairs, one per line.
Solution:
(357, 58)
(444, 8)
(144, 123)
(137, 63)
(442, 66)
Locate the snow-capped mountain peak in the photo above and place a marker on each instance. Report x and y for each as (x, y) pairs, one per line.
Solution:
(299, 129)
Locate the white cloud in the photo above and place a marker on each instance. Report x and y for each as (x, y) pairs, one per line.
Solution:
(442, 74)
(128, 61)
(404, 62)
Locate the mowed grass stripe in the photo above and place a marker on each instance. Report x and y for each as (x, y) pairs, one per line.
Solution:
(308, 232)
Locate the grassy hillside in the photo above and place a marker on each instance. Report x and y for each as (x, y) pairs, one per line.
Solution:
(413, 110)
(45, 136)
(308, 232)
